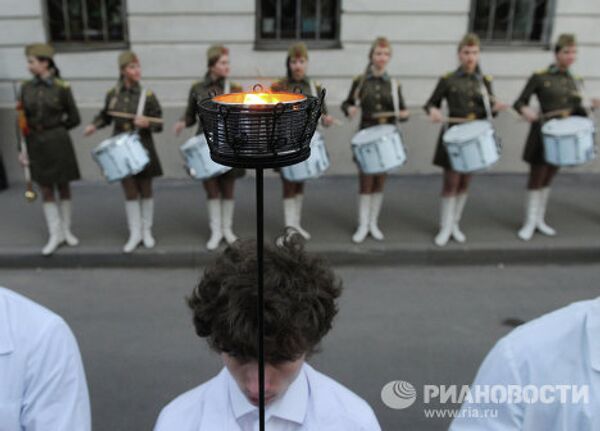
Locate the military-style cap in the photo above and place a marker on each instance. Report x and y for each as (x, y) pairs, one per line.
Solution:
(215, 52)
(298, 50)
(469, 39)
(380, 42)
(564, 40)
(127, 57)
(39, 50)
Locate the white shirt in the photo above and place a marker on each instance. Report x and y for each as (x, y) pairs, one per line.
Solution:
(560, 348)
(313, 402)
(42, 381)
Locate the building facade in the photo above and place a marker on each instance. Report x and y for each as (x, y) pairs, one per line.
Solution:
(171, 39)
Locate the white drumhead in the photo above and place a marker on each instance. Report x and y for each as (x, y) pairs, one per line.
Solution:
(197, 140)
(568, 126)
(374, 133)
(467, 131)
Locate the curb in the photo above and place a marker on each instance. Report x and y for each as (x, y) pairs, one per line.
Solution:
(342, 255)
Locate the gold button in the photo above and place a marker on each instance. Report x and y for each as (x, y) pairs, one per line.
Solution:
(126, 126)
(471, 116)
(378, 106)
(377, 87)
(546, 83)
(471, 104)
(378, 96)
(382, 121)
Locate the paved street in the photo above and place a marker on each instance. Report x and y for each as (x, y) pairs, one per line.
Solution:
(426, 325)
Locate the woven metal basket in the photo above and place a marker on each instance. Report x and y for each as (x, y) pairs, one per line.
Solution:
(260, 135)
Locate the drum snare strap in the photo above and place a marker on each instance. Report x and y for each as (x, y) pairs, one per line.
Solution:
(141, 102)
(395, 100)
(486, 99)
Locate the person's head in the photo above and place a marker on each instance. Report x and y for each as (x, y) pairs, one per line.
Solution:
(217, 58)
(300, 298)
(469, 51)
(565, 50)
(380, 53)
(297, 61)
(40, 60)
(129, 66)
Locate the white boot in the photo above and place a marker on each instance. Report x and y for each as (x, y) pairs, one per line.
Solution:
(447, 212)
(227, 207)
(214, 216)
(541, 222)
(56, 237)
(289, 212)
(457, 234)
(376, 201)
(65, 215)
(134, 222)
(147, 221)
(364, 209)
(532, 206)
(298, 217)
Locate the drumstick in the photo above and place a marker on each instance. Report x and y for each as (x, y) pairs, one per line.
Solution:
(132, 116)
(391, 114)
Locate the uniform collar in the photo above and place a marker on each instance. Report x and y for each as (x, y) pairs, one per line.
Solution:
(135, 88)
(304, 80)
(47, 81)
(292, 406)
(460, 71)
(592, 331)
(6, 339)
(554, 69)
(370, 75)
(208, 81)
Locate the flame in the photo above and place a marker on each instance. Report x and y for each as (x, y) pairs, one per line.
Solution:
(262, 98)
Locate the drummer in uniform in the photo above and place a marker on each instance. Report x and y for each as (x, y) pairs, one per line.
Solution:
(125, 98)
(296, 80)
(51, 112)
(219, 189)
(462, 89)
(559, 96)
(372, 91)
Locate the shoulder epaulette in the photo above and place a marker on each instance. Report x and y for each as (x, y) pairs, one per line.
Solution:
(541, 71)
(448, 75)
(488, 77)
(149, 93)
(62, 83)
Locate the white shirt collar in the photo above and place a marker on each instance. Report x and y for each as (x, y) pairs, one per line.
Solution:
(292, 406)
(593, 333)
(6, 339)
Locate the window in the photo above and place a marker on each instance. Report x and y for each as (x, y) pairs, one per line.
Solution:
(86, 23)
(280, 22)
(512, 22)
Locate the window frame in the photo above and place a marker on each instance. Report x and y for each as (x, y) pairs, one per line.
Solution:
(276, 44)
(82, 46)
(546, 39)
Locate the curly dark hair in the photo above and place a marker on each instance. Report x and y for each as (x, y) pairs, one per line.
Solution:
(300, 293)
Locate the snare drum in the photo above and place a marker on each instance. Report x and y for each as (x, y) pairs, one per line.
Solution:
(378, 149)
(198, 161)
(472, 146)
(313, 167)
(121, 156)
(569, 141)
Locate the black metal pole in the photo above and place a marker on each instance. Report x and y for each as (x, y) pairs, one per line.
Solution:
(260, 299)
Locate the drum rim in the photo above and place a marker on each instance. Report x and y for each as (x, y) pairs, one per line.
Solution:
(589, 123)
(392, 129)
(454, 130)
